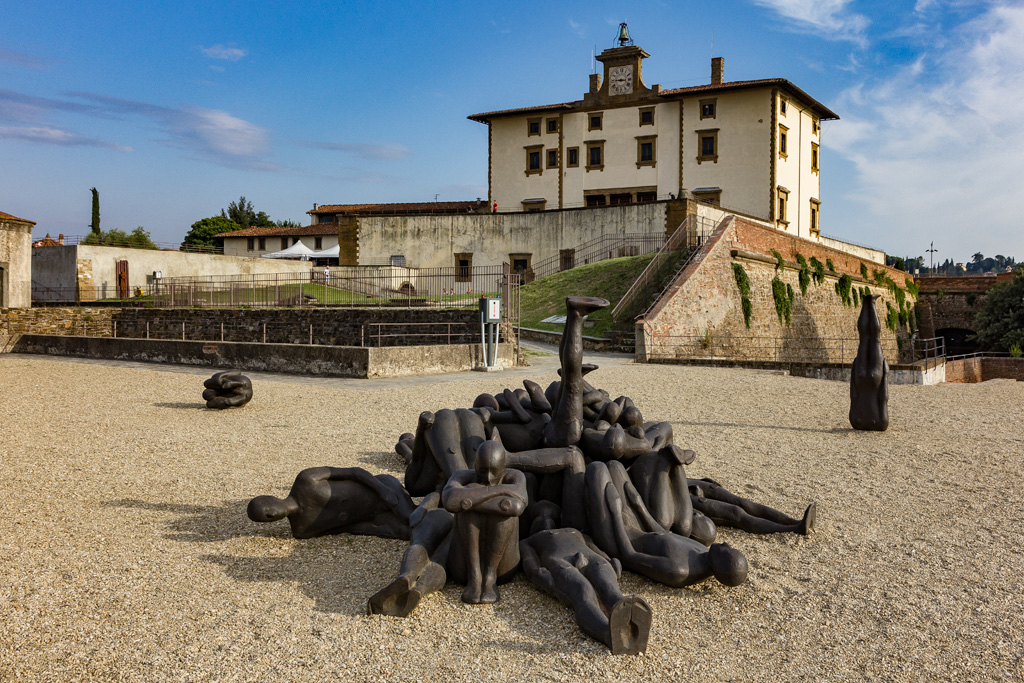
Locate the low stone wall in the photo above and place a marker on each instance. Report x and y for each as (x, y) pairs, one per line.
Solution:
(983, 368)
(92, 322)
(837, 372)
(301, 359)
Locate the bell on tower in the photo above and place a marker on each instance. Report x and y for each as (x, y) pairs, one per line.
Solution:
(624, 38)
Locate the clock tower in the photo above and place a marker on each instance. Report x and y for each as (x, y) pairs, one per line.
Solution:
(622, 80)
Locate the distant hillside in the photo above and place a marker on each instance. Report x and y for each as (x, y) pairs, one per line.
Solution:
(607, 279)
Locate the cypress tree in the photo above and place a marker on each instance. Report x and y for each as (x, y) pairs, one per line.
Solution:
(95, 225)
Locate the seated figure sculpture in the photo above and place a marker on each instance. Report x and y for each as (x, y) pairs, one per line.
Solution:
(486, 502)
(228, 389)
(567, 564)
(335, 500)
(623, 528)
(423, 564)
(727, 509)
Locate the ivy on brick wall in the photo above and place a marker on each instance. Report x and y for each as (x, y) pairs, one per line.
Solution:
(892, 317)
(856, 298)
(863, 271)
(912, 288)
(743, 283)
(843, 286)
(818, 271)
(783, 295)
(804, 276)
(780, 263)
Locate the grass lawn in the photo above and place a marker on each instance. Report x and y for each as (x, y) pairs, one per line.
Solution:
(607, 279)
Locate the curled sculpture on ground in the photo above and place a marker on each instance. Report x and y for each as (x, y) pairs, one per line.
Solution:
(228, 389)
(869, 391)
(565, 482)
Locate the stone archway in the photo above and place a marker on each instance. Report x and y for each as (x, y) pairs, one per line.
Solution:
(959, 340)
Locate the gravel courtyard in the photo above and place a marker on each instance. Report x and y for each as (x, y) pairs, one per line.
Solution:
(125, 552)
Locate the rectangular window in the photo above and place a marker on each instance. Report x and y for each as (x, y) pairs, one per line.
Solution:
(708, 108)
(397, 260)
(250, 243)
(814, 157)
(781, 217)
(521, 264)
(709, 195)
(707, 141)
(318, 243)
(552, 158)
(645, 151)
(646, 197)
(566, 259)
(284, 242)
(263, 244)
(783, 131)
(573, 156)
(815, 126)
(596, 121)
(463, 267)
(815, 211)
(595, 155)
(621, 198)
(552, 125)
(533, 159)
(782, 105)
(596, 200)
(647, 116)
(533, 126)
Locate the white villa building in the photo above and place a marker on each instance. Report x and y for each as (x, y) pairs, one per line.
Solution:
(752, 147)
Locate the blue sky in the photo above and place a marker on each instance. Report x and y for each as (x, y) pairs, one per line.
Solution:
(172, 110)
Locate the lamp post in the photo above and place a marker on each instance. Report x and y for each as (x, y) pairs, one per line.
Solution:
(931, 255)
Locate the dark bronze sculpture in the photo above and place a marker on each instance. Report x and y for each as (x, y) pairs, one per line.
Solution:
(486, 502)
(565, 481)
(566, 564)
(228, 389)
(869, 391)
(727, 509)
(335, 500)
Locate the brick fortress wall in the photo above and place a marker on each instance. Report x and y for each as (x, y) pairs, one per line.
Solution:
(702, 310)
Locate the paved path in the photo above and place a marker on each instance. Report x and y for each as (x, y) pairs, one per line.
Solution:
(546, 365)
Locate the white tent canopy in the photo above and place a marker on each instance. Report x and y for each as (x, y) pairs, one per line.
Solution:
(297, 250)
(333, 252)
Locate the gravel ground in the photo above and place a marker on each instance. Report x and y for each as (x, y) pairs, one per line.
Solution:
(125, 552)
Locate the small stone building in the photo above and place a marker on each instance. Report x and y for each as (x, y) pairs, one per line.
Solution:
(15, 261)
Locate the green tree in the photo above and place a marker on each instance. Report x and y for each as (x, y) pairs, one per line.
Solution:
(204, 233)
(287, 223)
(243, 213)
(1000, 322)
(136, 239)
(95, 225)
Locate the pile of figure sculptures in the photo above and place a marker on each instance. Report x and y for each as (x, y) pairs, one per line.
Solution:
(564, 483)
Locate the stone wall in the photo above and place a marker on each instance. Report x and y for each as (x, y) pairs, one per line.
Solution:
(701, 313)
(15, 262)
(983, 368)
(89, 272)
(92, 322)
(302, 359)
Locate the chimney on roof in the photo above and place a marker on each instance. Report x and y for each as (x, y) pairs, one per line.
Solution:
(717, 70)
(314, 206)
(595, 82)
(60, 238)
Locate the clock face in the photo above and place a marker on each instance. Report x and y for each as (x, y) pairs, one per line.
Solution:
(620, 80)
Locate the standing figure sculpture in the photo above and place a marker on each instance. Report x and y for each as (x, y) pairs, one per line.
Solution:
(566, 426)
(228, 389)
(869, 392)
(486, 502)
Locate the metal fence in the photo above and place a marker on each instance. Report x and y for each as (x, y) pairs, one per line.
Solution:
(671, 258)
(348, 286)
(599, 249)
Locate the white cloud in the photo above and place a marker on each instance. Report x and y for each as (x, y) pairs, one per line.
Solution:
(55, 136)
(221, 133)
(225, 52)
(577, 28)
(829, 18)
(386, 152)
(937, 145)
